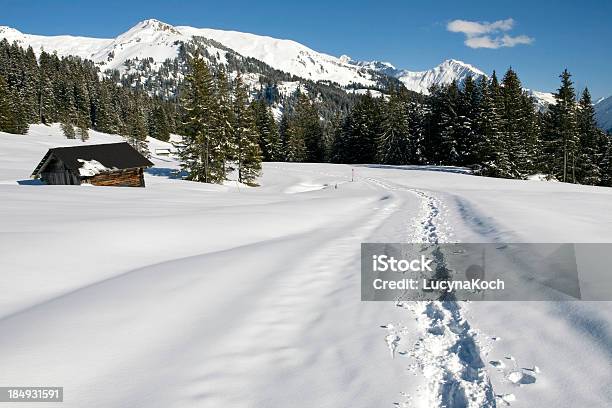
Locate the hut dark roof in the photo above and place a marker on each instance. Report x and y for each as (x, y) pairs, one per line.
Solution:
(111, 155)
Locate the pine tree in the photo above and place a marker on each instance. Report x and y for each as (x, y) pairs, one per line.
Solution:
(19, 120)
(562, 134)
(107, 113)
(605, 164)
(295, 146)
(136, 128)
(199, 147)
(394, 141)
(466, 132)
(512, 125)
(46, 108)
(269, 137)
(449, 124)
(416, 132)
(530, 137)
(245, 137)
(306, 133)
(6, 116)
(285, 137)
(82, 132)
(589, 154)
(68, 129)
(158, 124)
(433, 117)
(330, 131)
(224, 147)
(362, 130)
(486, 145)
(29, 85)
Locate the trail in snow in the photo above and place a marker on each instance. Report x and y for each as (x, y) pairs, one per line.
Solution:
(447, 352)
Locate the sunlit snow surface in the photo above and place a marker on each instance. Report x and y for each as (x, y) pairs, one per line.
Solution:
(183, 294)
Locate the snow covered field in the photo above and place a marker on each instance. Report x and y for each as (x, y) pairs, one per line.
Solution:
(190, 295)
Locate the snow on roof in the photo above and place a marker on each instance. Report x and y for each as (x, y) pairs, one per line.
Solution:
(92, 167)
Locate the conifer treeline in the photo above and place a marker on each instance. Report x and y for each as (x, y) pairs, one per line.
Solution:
(69, 90)
(493, 127)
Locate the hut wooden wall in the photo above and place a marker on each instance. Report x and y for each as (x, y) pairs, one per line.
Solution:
(57, 173)
(124, 178)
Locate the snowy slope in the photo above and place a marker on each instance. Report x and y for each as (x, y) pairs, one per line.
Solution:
(542, 99)
(603, 113)
(288, 56)
(183, 294)
(64, 45)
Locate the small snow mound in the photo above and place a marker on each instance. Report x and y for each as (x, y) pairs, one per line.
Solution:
(541, 177)
(303, 188)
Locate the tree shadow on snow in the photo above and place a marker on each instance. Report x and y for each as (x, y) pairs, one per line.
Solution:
(31, 182)
(166, 172)
(443, 169)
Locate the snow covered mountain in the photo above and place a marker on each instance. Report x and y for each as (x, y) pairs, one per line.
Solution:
(603, 113)
(288, 56)
(156, 42)
(420, 81)
(443, 74)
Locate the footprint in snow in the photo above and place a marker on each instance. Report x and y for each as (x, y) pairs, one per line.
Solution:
(521, 378)
(505, 398)
(497, 363)
(392, 342)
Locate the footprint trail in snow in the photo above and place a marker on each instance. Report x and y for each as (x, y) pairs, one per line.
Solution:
(447, 352)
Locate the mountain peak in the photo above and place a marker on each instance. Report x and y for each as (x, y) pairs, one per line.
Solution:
(345, 59)
(454, 63)
(153, 24)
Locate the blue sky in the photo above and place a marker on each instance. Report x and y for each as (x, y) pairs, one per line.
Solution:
(547, 36)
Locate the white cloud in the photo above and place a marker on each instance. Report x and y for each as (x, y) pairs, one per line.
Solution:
(481, 42)
(509, 41)
(488, 35)
(474, 28)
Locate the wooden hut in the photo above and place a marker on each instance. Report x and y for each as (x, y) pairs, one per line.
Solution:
(112, 164)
